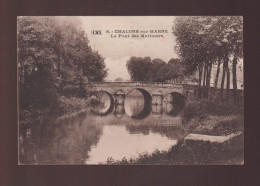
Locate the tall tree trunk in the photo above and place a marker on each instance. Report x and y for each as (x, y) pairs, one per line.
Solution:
(208, 79)
(204, 80)
(223, 75)
(228, 83)
(204, 75)
(234, 71)
(200, 77)
(217, 74)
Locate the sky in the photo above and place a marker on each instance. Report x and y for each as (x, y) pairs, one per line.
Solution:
(117, 51)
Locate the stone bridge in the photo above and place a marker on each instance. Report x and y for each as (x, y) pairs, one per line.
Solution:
(156, 95)
(153, 92)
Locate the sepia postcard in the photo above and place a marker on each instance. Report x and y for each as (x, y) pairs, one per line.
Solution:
(130, 90)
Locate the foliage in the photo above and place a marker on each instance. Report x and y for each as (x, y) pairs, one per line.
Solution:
(139, 68)
(175, 69)
(156, 70)
(94, 67)
(201, 109)
(54, 60)
(204, 40)
(199, 153)
(72, 104)
(36, 56)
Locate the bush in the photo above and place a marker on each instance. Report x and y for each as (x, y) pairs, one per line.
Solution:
(94, 101)
(201, 109)
(72, 104)
(194, 110)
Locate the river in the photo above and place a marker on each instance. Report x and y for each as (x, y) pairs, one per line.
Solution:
(94, 138)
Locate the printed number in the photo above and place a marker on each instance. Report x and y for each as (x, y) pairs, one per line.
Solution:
(96, 32)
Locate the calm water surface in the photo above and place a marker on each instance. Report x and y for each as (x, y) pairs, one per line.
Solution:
(93, 138)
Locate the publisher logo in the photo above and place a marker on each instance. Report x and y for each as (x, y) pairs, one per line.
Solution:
(96, 32)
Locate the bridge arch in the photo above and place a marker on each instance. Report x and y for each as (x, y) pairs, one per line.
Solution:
(105, 111)
(173, 103)
(147, 103)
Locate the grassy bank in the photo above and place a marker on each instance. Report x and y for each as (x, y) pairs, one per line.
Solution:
(207, 117)
(216, 125)
(230, 152)
(202, 117)
(200, 153)
(66, 107)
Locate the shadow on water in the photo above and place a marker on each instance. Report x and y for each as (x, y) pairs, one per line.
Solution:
(58, 143)
(138, 104)
(173, 103)
(171, 132)
(109, 130)
(92, 139)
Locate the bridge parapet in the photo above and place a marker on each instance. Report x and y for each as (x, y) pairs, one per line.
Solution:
(137, 83)
(189, 91)
(152, 88)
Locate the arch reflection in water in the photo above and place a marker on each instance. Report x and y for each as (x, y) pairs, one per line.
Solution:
(102, 103)
(173, 103)
(138, 103)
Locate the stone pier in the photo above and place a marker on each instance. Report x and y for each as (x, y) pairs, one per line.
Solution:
(119, 98)
(157, 98)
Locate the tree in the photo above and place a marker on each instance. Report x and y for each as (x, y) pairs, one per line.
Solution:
(196, 47)
(217, 74)
(54, 59)
(139, 68)
(229, 40)
(157, 70)
(175, 69)
(36, 58)
(143, 69)
(236, 42)
(204, 41)
(94, 67)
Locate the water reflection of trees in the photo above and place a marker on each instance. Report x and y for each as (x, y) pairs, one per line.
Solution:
(64, 143)
(70, 141)
(171, 132)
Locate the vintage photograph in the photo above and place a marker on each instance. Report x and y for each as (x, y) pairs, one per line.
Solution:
(130, 90)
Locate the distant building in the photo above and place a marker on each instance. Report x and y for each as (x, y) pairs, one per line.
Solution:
(119, 79)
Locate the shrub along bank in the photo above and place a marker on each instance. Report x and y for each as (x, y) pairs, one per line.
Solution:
(202, 117)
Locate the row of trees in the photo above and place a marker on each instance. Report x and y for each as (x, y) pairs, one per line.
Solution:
(54, 59)
(204, 41)
(145, 69)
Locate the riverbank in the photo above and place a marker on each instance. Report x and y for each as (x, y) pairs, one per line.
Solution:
(199, 152)
(208, 135)
(205, 120)
(66, 108)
